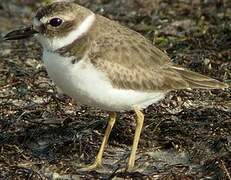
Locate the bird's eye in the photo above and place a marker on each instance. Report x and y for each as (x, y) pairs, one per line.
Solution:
(55, 22)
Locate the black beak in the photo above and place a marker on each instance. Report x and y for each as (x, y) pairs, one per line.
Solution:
(20, 33)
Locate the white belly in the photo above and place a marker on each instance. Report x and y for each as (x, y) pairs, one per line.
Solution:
(87, 85)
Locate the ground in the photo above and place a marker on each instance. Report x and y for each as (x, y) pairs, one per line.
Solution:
(185, 136)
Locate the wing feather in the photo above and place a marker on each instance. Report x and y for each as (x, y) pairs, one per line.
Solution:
(132, 62)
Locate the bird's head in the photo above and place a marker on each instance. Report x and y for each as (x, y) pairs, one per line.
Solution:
(56, 25)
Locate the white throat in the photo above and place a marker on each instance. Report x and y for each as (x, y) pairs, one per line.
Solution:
(52, 44)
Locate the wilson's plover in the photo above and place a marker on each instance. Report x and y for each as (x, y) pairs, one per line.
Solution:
(101, 63)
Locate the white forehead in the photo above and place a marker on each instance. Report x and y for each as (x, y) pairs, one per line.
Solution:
(45, 19)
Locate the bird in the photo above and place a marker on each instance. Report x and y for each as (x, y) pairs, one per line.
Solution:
(101, 63)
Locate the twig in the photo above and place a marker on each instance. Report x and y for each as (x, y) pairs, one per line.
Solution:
(226, 170)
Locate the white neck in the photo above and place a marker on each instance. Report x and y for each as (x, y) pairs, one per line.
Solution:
(52, 44)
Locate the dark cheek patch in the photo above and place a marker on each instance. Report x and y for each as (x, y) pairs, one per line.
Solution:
(67, 26)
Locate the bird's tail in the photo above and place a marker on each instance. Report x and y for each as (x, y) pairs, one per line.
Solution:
(199, 81)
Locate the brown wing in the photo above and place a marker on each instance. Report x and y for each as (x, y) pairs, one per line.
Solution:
(132, 62)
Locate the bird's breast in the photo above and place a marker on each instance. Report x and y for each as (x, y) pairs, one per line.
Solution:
(72, 79)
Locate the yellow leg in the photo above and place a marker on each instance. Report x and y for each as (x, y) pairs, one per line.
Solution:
(139, 125)
(98, 160)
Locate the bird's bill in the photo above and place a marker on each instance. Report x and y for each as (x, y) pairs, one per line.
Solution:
(20, 33)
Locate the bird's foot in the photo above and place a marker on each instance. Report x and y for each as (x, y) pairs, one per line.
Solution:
(91, 167)
(129, 169)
